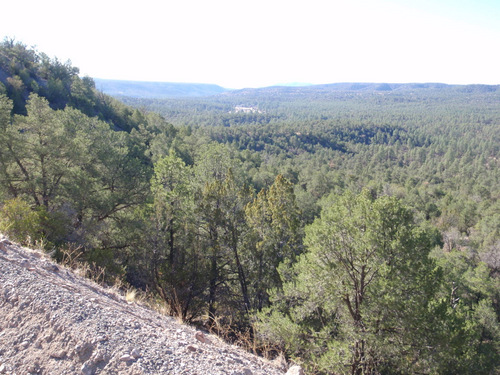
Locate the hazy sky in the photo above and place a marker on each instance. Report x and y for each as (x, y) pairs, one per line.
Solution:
(255, 43)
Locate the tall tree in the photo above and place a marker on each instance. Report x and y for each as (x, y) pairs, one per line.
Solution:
(38, 153)
(235, 229)
(356, 298)
(175, 264)
(172, 194)
(6, 142)
(274, 219)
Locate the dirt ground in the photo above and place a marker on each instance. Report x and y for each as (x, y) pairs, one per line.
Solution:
(53, 321)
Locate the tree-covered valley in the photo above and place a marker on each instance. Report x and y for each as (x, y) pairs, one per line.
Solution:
(353, 227)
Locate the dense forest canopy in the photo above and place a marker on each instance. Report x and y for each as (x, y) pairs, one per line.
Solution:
(355, 227)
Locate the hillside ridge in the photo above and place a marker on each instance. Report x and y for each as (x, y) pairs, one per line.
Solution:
(176, 90)
(144, 89)
(56, 322)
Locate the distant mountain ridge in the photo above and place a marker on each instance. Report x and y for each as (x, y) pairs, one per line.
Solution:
(164, 90)
(374, 87)
(144, 89)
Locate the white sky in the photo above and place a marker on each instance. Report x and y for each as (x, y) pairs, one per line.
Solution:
(257, 43)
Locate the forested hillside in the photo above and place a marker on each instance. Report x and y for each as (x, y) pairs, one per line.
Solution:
(355, 227)
(25, 71)
(141, 89)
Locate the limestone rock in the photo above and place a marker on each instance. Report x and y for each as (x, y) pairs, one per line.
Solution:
(58, 354)
(126, 357)
(295, 370)
(87, 369)
(136, 353)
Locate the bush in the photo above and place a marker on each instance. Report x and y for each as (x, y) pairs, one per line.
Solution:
(20, 222)
(25, 225)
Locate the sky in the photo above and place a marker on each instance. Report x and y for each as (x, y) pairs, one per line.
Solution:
(260, 43)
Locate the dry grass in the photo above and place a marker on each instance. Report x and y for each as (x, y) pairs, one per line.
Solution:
(247, 340)
(70, 257)
(130, 295)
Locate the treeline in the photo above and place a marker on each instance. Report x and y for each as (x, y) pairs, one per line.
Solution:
(357, 232)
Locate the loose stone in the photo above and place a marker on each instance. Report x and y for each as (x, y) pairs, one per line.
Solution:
(295, 370)
(135, 353)
(200, 337)
(59, 354)
(126, 358)
(87, 369)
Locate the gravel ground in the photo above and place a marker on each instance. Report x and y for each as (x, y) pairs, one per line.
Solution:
(55, 322)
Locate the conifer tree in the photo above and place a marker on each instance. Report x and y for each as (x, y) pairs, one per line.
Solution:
(274, 219)
(354, 301)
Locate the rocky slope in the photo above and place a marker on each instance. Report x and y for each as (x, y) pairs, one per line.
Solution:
(55, 322)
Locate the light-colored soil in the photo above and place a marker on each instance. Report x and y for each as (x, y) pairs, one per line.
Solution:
(55, 322)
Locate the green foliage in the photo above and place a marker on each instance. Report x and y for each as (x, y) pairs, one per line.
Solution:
(220, 202)
(20, 222)
(354, 301)
(171, 255)
(38, 148)
(275, 236)
(469, 293)
(25, 71)
(209, 212)
(29, 226)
